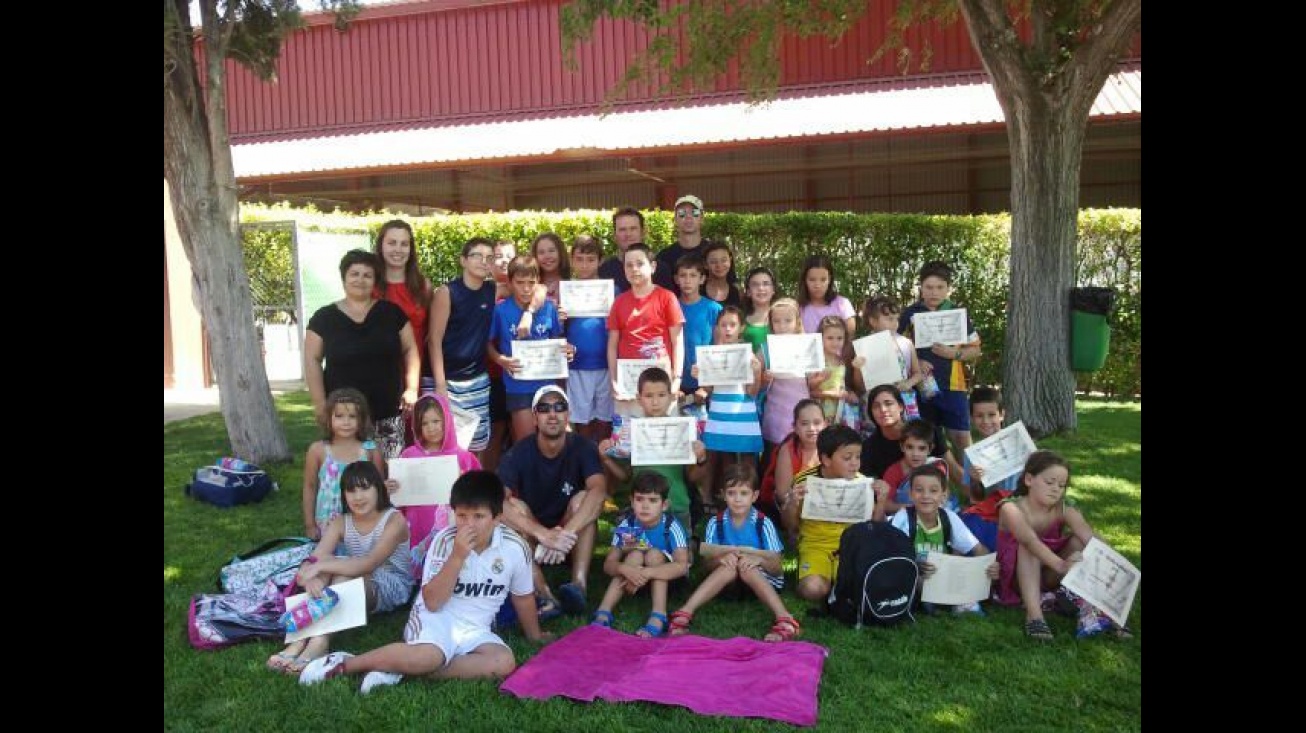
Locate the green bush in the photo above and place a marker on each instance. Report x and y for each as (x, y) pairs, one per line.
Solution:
(873, 253)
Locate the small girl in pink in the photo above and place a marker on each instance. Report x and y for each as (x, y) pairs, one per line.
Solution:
(1040, 535)
(434, 425)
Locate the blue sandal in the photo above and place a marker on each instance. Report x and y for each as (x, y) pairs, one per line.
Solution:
(547, 608)
(572, 598)
(648, 630)
(602, 618)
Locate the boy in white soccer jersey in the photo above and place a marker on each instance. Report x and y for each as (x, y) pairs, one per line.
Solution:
(472, 566)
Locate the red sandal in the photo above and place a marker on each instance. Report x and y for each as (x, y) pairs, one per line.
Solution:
(680, 621)
(785, 628)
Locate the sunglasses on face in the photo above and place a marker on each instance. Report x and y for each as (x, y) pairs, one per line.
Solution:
(545, 407)
(689, 212)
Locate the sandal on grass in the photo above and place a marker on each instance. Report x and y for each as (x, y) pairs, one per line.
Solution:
(602, 618)
(281, 661)
(1038, 629)
(648, 630)
(784, 629)
(680, 621)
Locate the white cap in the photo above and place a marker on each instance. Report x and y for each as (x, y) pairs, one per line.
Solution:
(546, 389)
(690, 199)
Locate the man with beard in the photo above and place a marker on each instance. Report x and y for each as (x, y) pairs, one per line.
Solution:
(556, 490)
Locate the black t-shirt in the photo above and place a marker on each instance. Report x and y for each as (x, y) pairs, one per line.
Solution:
(612, 269)
(878, 452)
(367, 356)
(547, 484)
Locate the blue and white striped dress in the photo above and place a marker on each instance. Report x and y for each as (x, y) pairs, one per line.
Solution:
(732, 423)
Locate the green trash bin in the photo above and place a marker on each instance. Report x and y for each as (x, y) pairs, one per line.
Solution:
(1090, 334)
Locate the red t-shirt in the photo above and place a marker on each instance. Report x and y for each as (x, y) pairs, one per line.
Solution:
(645, 323)
(398, 294)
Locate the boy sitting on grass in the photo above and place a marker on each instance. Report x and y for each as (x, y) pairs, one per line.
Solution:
(471, 568)
(649, 548)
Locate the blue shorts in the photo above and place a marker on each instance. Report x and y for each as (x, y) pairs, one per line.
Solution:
(521, 401)
(950, 409)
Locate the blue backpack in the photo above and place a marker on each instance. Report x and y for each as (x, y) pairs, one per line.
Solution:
(229, 482)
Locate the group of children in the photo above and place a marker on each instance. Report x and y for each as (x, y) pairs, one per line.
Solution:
(466, 564)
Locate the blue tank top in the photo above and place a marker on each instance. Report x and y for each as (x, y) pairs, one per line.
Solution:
(470, 312)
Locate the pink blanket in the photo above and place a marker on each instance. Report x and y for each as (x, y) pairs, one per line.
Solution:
(737, 677)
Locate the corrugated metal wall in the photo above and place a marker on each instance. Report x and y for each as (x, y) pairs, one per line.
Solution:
(501, 60)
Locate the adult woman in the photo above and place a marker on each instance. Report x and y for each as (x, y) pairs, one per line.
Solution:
(885, 406)
(404, 284)
(368, 344)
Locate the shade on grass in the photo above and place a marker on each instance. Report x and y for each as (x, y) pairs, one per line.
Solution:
(943, 673)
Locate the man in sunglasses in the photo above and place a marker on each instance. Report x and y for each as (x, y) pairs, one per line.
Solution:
(556, 490)
(688, 219)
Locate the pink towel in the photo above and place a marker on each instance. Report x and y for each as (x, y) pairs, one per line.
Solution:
(736, 677)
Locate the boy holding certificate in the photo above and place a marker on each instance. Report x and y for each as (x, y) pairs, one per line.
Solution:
(840, 450)
(987, 416)
(934, 527)
(656, 400)
(587, 386)
(523, 275)
(700, 319)
(944, 361)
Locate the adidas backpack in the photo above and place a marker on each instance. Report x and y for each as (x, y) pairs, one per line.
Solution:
(876, 580)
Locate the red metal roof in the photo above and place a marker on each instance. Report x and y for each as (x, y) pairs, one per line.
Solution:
(953, 101)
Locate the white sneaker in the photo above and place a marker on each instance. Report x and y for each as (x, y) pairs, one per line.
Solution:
(377, 678)
(318, 669)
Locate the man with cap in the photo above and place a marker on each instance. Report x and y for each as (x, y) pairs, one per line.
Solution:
(556, 490)
(688, 218)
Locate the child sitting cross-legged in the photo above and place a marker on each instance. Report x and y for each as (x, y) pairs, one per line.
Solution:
(649, 548)
(742, 549)
(471, 569)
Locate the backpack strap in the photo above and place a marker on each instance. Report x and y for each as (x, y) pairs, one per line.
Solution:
(943, 520)
(761, 529)
(666, 530)
(911, 524)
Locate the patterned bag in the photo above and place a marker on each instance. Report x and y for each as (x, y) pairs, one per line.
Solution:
(250, 570)
(217, 620)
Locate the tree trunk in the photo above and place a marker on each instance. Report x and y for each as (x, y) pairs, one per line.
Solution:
(1037, 382)
(203, 195)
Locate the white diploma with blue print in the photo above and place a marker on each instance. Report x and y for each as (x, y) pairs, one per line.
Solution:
(839, 499)
(423, 481)
(939, 327)
(957, 579)
(542, 359)
(662, 441)
(1003, 453)
(725, 364)
(795, 354)
(1106, 579)
(584, 298)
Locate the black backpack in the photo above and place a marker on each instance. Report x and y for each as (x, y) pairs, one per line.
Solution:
(876, 580)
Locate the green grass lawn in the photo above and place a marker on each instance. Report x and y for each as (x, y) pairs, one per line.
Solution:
(942, 673)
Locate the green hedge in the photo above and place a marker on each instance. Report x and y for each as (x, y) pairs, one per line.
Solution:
(874, 253)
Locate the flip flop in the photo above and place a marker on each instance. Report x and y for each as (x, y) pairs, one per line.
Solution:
(572, 599)
(547, 608)
(280, 661)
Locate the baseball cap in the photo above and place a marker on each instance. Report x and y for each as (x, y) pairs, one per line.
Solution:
(546, 389)
(690, 199)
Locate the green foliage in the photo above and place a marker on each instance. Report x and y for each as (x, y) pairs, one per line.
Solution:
(941, 673)
(872, 253)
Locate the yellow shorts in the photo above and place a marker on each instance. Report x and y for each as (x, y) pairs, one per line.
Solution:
(817, 544)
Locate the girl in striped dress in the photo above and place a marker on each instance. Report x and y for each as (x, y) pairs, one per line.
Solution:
(369, 540)
(733, 433)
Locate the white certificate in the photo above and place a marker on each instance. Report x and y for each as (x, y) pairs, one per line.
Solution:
(795, 354)
(423, 481)
(628, 371)
(939, 327)
(957, 580)
(542, 359)
(465, 423)
(1105, 579)
(662, 441)
(581, 298)
(883, 365)
(727, 364)
(839, 500)
(1003, 453)
(350, 612)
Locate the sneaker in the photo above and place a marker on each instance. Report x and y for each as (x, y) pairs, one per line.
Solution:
(968, 608)
(377, 678)
(323, 668)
